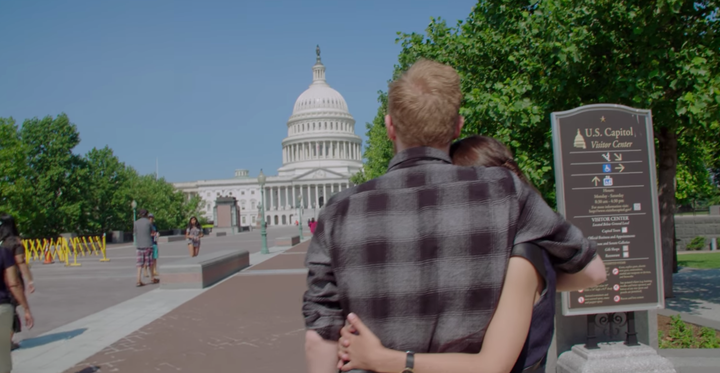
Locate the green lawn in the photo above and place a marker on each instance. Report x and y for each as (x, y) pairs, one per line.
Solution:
(706, 260)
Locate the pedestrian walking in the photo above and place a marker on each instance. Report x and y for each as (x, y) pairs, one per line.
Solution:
(13, 243)
(11, 291)
(440, 239)
(193, 234)
(155, 235)
(144, 246)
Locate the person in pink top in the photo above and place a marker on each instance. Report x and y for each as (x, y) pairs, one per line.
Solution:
(312, 225)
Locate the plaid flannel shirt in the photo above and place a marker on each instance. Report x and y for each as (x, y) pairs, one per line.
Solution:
(420, 254)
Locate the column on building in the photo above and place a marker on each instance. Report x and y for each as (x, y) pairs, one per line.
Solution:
(317, 197)
(306, 199)
(302, 196)
(272, 198)
(325, 197)
(287, 198)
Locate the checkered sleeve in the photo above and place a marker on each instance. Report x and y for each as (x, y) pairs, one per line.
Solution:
(568, 248)
(321, 302)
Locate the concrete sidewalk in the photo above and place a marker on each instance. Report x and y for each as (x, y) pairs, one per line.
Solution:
(697, 297)
(67, 294)
(252, 322)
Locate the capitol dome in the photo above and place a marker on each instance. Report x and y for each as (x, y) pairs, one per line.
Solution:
(319, 96)
(321, 131)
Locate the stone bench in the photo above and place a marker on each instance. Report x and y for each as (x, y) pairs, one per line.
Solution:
(203, 270)
(171, 238)
(220, 234)
(287, 241)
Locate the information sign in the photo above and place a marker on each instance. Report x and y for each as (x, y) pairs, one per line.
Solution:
(606, 186)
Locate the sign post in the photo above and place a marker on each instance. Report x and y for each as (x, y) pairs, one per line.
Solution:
(606, 186)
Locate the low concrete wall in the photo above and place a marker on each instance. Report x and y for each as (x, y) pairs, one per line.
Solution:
(203, 270)
(688, 227)
(287, 241)
(171, 238)
(715, 210)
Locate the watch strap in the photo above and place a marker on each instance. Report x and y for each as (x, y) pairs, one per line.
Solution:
(409, 362)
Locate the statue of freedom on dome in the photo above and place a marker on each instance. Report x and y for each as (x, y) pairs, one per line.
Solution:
(317, 51)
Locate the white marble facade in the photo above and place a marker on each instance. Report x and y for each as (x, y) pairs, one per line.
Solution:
(320, 154)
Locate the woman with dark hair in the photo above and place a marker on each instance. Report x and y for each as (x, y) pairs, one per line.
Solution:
(487, 152)
(359, 348)
(13, 242)
(12, 291)
(193, 234)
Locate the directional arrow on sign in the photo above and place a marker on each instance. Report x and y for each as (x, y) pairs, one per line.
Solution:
(618, 157)
(596, 180)
(606, 156)
(620, 167)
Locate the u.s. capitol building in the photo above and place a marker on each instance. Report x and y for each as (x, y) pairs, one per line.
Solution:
(320, 154)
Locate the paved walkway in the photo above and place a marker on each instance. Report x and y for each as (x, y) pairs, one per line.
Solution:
(697, 297)
(80, 336)
(189, 330)
(66, 294)
(249, 323)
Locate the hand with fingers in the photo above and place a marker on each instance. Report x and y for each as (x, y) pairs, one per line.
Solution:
(358, 347)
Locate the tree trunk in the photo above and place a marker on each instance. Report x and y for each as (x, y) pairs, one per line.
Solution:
(667, 168)
(675, 263)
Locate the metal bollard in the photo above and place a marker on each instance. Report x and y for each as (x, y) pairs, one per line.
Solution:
(713, 244)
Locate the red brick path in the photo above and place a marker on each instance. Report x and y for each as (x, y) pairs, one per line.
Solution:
(249, 323)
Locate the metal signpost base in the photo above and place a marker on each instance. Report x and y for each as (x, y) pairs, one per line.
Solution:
(613, 357)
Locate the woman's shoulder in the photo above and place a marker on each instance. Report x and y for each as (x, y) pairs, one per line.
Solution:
(12, 242)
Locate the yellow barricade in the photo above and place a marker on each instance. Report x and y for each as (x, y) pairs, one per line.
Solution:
(45, 250)
(86, 246)
(62, 249)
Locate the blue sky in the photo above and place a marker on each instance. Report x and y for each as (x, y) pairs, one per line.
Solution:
(204, 86)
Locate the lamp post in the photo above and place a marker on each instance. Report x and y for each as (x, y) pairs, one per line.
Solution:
(133, 204)
(263, 233)
(300, 211)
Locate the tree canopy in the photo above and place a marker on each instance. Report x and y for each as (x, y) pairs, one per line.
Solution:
(520, 62)
(51, 190)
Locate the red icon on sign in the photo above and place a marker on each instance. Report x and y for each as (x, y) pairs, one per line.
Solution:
(615, 271)
(580, 291)
(581, 300)
(616, 298)
(616, 287)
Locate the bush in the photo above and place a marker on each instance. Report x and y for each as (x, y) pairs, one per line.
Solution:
(682, 335)
(698, 243)
(709, 338)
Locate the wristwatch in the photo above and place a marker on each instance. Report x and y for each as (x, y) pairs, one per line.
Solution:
(409, 362)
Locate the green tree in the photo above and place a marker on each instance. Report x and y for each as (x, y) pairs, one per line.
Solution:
(379, 150)
(55, 173)
(15, 191)
(105, 199)
(520, 63)
(172, 209)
